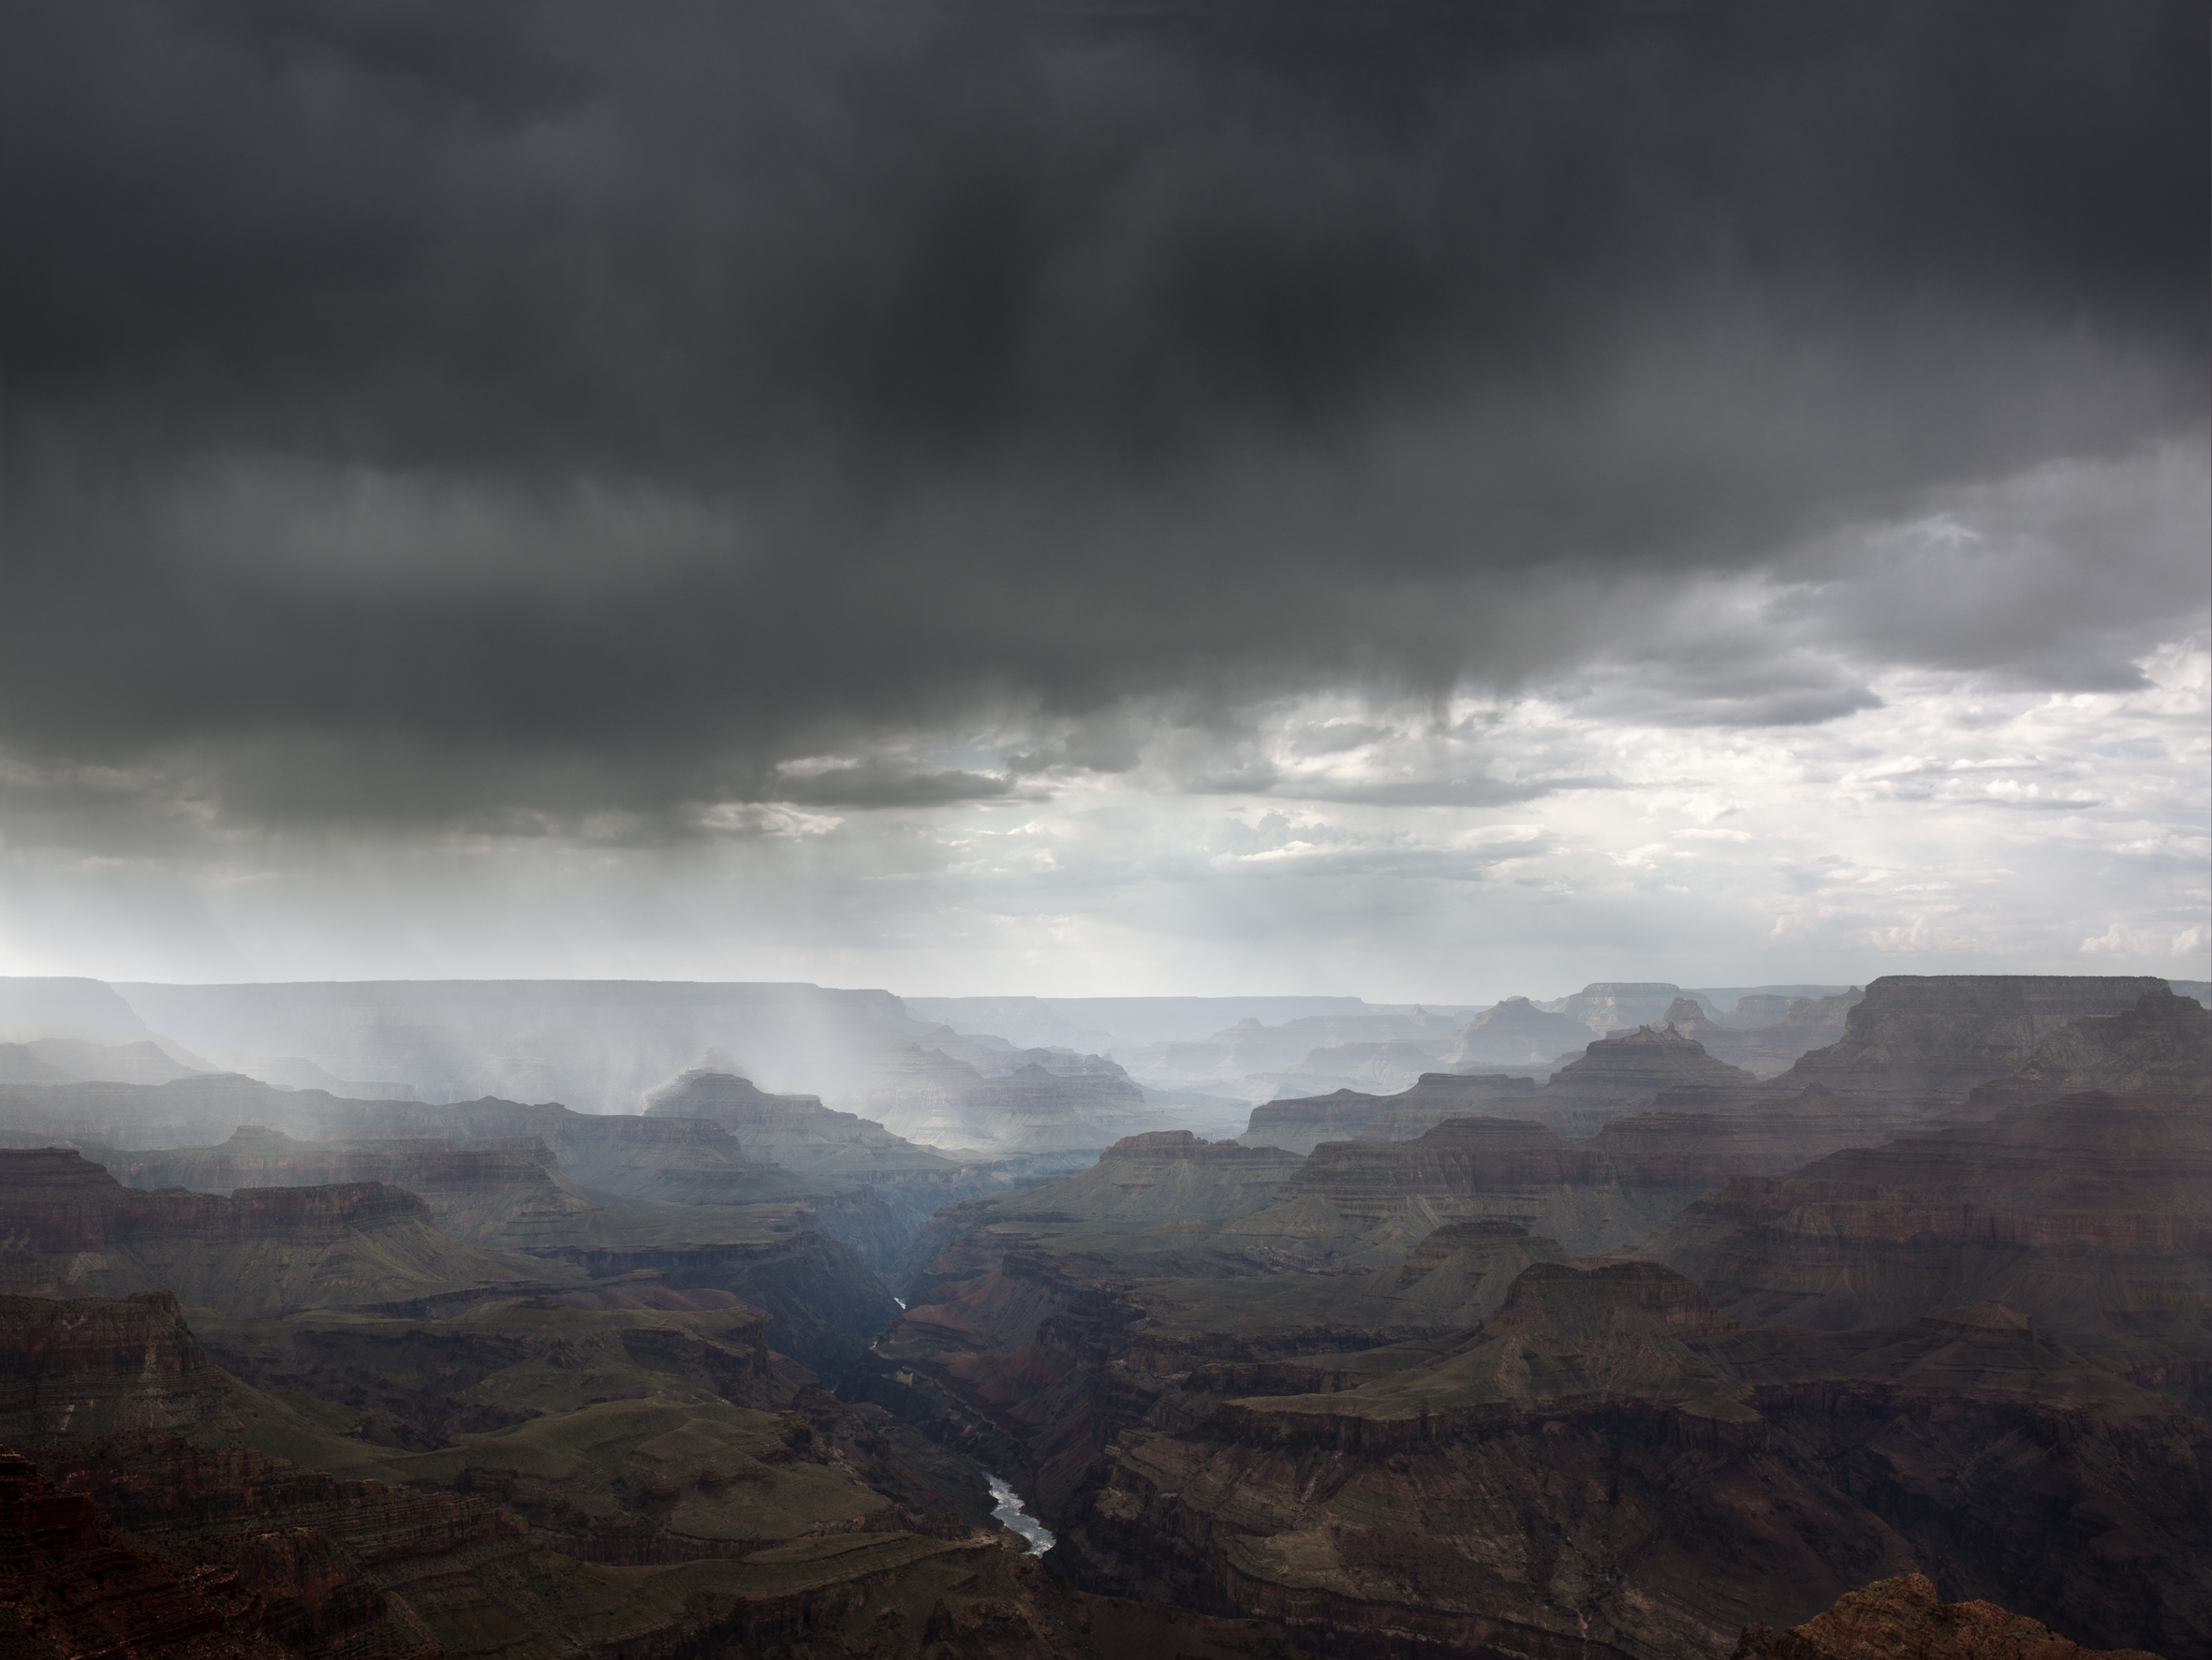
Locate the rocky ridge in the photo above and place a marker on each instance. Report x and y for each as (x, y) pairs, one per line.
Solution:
(1607, 1467)
(72, 1228)
(2094, 1210)
(1903, 1617)
(2163, 1046)
(1302, 1124)
(660, 1523)
(1924, 1042)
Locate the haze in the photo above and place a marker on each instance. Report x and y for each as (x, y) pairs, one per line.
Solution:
(1408, 502)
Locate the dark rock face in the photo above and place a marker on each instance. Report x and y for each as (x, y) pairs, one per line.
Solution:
(1155, 1202)
(666, 1525)
(69, 1588)
(1904, 1616)
(1608, 1467)
(72, 1226)
(1361, 1204)
(2093, 1212)
(841, 1152)
(789, 1256)
(475, 1190)
(1922, 1042)
(1348, 1115)
(97, 1365)
(2163, 1046)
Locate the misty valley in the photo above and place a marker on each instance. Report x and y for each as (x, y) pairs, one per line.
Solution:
(640, 1320)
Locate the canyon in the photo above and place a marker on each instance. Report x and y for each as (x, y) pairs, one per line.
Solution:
(1764, 1325)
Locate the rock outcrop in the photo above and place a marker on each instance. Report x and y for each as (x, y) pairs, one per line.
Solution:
(1607, 1467)
(1806, 1023)
(795, 1131)
(1154, 1203)
(663, 1522)
(1361, 1204)
(1922, 1042)
(1650, 1066)
(1613, 1006)
(68, 1586)
(2162, 1046)
(1301, 1125)
(70, 1228)
(2093, 1214)
(1903, 1616)
(484, 1191)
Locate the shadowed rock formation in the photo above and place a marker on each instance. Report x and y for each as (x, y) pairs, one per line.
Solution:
(2093, 1214)
(1152, 1203)
(1903, 1617)
(797, 1247)
(1607, 1467)
(840, 1152)
(795, 1131)
(665, 1522)
(1653, 1066)
(1348, 1115)
(1922, 1042)
(71, 1227)
(2163, 1046)
(70, 1587)
(1361, 1204)
(485, 1191)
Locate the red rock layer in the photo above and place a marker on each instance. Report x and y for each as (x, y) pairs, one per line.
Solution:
(1902, 1619)
(68, 1589)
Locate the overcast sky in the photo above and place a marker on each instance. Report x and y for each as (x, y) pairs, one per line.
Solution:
(1414, 500)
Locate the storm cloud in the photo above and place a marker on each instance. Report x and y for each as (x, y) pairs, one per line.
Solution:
(502, 414)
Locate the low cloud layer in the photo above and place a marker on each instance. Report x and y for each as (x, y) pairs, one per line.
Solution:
(671, 434)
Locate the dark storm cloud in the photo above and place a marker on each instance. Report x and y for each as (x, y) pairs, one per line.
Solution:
(432, 410)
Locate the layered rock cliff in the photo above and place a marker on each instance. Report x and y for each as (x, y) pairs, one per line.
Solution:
(1922, 1042)
(2093, 1214)
(482, 1190)
(1648, 1067)
(2163, 1046)
(70, 1228)
(1300, 1125)
(69, 1587)
(660, 1523)
(1152, 1203)
(1607, 1467)
(1806, 1023)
